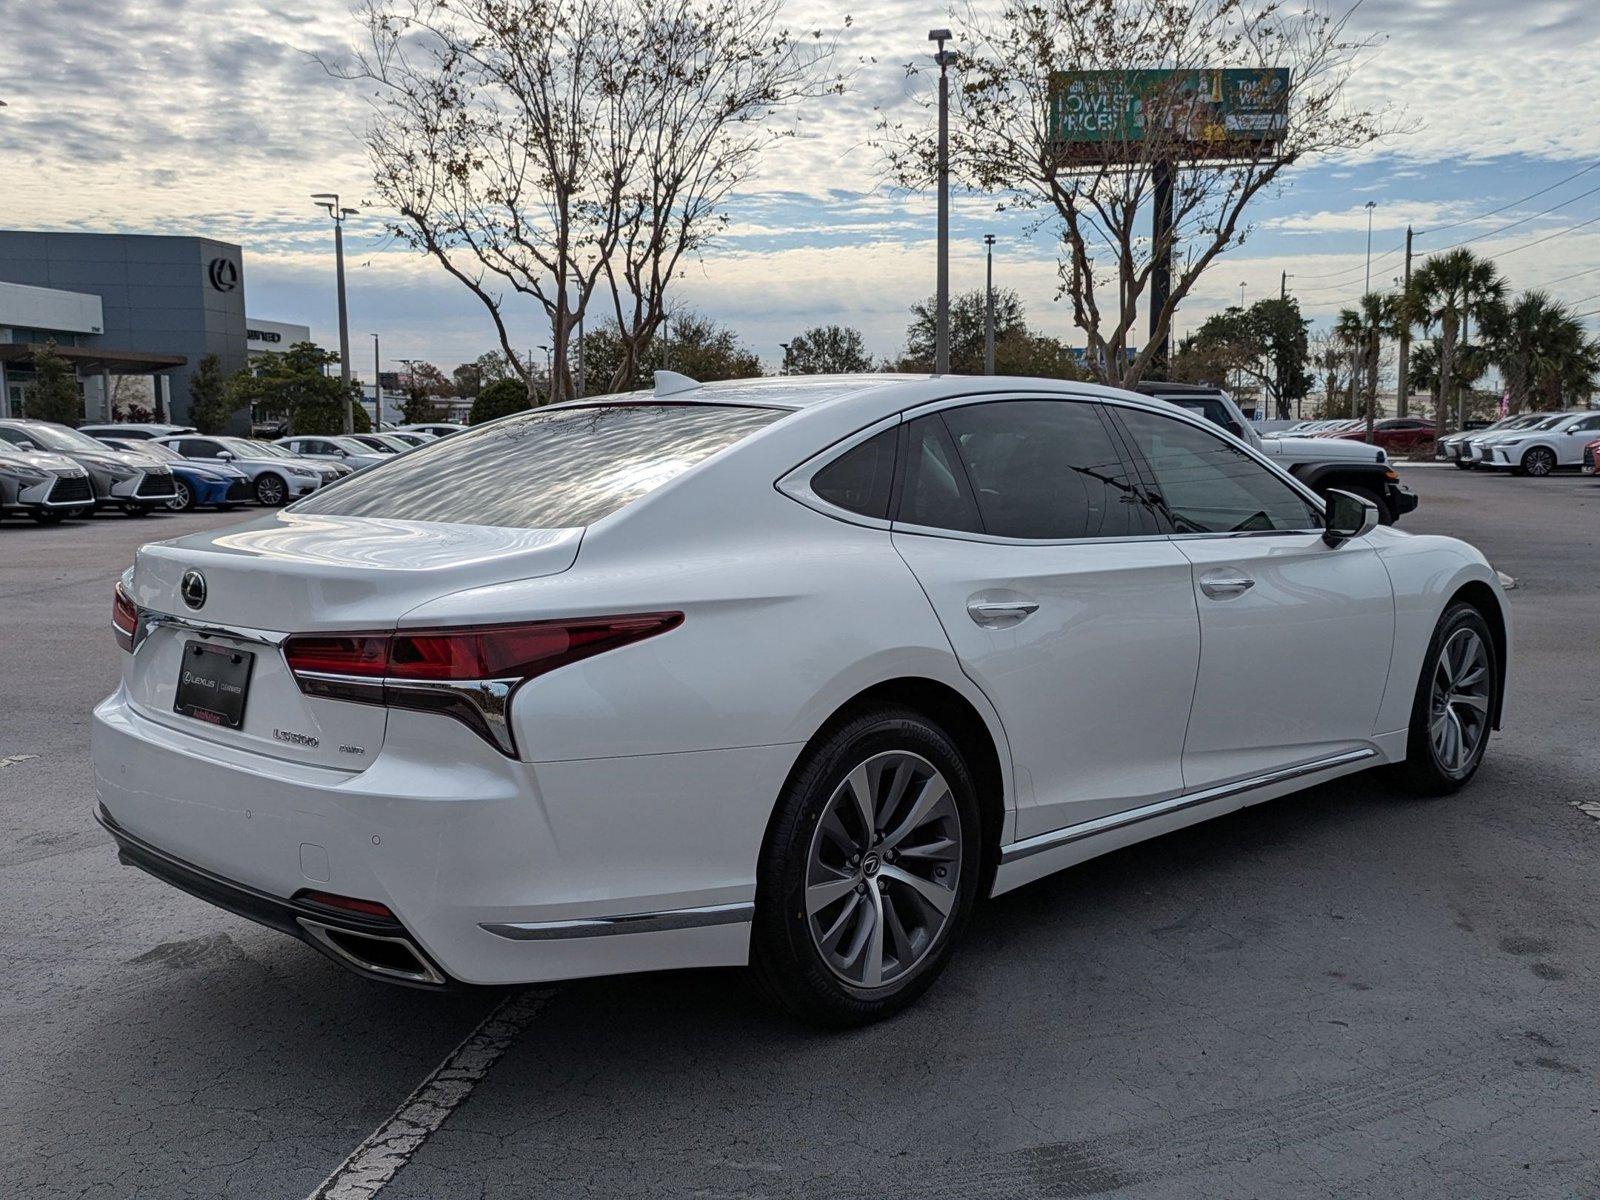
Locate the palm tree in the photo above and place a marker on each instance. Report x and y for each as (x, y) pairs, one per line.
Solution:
(1455, 288)
(1363, 329)
(1541, 350)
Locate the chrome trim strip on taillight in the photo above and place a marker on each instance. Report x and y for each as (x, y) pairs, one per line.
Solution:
(482, 705)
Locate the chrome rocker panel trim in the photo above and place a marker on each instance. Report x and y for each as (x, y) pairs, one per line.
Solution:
(1038, 844)
(646, 922)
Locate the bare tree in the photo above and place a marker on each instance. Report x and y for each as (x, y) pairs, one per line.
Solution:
(1079, 109)
(574, 152)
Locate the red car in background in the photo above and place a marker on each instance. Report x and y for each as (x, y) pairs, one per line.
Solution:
(1397, 435)
(1590, 463)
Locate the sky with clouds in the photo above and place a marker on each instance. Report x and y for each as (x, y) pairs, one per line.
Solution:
(213, 117)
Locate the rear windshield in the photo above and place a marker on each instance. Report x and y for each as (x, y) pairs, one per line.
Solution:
(552, 469)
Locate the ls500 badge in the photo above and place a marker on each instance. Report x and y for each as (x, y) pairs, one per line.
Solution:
(297, 739)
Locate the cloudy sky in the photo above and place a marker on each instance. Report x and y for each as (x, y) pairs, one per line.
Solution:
(212, 117)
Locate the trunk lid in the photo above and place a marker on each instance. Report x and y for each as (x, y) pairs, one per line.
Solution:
(302, 573)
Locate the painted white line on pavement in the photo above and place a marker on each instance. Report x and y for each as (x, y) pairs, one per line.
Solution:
(1588, 808)
(1506, 581)
(389, 1147)
(11, 760)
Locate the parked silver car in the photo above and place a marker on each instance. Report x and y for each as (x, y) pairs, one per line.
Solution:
(135, 482)
(350, 451)
(46, 487)
(275, 478)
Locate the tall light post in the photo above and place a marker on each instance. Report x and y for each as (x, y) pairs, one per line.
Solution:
(941, 327)
(1371, 204)
(988, 304)
(1241, 294)
(784, 368)
(377, 385)
(329, 203)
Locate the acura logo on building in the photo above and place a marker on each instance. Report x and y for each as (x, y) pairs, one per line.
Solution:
(224, 275)
(193, 589)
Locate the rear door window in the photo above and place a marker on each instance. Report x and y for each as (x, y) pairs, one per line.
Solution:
(1047, 470)
(548, 469)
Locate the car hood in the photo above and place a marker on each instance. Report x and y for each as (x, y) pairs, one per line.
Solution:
(208, 470)
(1305, 449)
(119, 458)
(42, 460)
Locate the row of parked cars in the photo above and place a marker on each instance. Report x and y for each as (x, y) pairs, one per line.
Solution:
(1397, 435)
(1536, 444)
(53, 472)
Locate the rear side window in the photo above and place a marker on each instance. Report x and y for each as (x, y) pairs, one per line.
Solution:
(551, 469)
(1047, 469)
(860, 479)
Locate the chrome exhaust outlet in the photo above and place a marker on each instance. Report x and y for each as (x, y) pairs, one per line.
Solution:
(373, 954)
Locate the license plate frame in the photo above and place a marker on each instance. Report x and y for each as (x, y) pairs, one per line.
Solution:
(214, 684)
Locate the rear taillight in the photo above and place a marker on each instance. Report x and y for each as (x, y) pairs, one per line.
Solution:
(466, 673)
(124, 617)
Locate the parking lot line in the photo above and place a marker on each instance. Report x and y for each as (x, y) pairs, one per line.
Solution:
(389, 1147)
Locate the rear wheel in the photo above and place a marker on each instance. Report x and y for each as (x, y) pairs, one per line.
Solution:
(869, 870)
(1454, 706)
(271, 491)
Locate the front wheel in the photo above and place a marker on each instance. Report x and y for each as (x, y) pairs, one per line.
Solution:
(182, 497)
(869, 870)
(1455, 704)
(271, 491)
(1538, 462)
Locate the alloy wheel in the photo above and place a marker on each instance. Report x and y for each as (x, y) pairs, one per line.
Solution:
(1539, 463)
(270, 490)
(1458, 708)
(884, 869)
(182, 500)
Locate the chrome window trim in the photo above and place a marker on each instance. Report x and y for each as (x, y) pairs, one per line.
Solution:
(1039, 843)
(663, 921)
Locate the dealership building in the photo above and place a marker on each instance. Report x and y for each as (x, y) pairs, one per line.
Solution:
(126, 305)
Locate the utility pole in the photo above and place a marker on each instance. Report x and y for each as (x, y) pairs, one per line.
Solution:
(1371, 204)
(941, 329)
(988, 305)
(1403, 363)
(329, 202)
(1283, 286)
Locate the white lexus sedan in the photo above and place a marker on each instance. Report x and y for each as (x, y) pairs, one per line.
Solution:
(788, 672)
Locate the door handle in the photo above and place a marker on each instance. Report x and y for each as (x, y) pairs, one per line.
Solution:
(1220, 587)
(999, 613)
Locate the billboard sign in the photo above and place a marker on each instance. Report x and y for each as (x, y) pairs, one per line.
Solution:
(1191, 114)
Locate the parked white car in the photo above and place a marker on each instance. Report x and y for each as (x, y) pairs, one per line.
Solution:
(437, 429)
(1542, 448)
(274, 478)
(336, 449)
(788, 672)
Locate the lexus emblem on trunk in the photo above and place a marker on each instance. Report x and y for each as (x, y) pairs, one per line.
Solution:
(193, 589)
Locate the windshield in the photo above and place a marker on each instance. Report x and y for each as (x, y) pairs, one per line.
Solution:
(548, 469)
(249, 448)
(159, 450)
(372, 443)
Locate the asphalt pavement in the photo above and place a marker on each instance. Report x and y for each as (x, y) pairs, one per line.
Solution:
(1347, 992)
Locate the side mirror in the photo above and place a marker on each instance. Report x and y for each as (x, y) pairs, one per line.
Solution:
(1235, 428)
(1348, 516)
(341, 453)
(226, 455)
(26, 445)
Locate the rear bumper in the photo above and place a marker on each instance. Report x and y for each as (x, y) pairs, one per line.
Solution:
(498, 871)
(339, 935)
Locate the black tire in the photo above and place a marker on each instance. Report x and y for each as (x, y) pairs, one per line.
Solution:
(1425, 770)
(138, 510)
(1538, 462)
(49, 516)
(271, 490)
(182, 498)
(785, 954)
(1464, 466)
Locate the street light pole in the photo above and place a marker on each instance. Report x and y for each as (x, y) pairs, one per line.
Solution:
(941, 330)
(1371, 204)
(329, 202)
(988, 304)
(377, 385)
